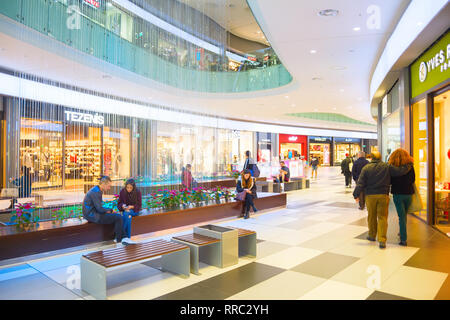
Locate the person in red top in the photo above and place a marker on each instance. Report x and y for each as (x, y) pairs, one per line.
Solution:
(187, 180)
(130, 204)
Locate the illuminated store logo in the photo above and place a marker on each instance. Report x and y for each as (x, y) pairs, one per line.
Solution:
(292, 138)
(84, 118)
(422, 72)
(441, 59)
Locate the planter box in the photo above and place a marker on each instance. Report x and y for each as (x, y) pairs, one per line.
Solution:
(73, 233)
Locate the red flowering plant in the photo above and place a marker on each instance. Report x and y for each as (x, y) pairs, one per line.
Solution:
(23, 215)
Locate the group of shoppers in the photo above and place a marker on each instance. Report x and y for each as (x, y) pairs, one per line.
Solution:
(374, 181)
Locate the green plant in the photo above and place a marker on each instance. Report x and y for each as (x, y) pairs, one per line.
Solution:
(23, 215)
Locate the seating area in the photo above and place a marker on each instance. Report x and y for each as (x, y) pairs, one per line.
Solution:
(292, 185)
(181, 255)
(94, 266)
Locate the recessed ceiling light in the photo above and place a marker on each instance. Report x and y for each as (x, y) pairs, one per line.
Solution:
(293, 105)
(106, 76)
(316, 109)
(258, 32)
(419, 23)
(356, 28)
(341, 90)
(287, 97)
(334, 108)
(316, 78)
(328, 13)
(313, 51)
(338, 67)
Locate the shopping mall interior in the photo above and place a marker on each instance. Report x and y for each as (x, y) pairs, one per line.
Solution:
(215, 108)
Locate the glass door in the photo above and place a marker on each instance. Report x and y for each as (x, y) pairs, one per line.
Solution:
(442, 160)
(420, 152)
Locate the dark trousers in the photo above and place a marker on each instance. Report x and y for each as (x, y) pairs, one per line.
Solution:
(362, 200)
(402, 203)
(348, 179)
(249, 203)
(112, 218)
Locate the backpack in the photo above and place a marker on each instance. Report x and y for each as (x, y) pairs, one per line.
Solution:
(256, 171)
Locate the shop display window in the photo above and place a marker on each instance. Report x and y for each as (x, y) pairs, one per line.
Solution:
(420, 152)
(41, 151)
(442, 160)
(321, 151)
(391, 134)
(116, 153)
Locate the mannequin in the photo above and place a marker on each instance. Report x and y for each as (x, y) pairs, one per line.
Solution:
(45, 161)
(28, 159)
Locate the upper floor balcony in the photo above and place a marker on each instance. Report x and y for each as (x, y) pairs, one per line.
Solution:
(106, 31)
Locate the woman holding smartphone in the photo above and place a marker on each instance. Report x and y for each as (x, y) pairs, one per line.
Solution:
(130, 204)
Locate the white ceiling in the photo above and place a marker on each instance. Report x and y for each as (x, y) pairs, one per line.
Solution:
(292, 27)
(233, 15)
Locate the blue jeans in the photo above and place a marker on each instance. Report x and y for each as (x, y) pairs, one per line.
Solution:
(402, 203)
(126, 216)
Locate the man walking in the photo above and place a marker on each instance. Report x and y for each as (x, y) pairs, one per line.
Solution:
(375, 180)
(358, 165)
(346, 170)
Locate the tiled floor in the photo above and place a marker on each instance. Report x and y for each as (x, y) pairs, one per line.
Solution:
(313, 249)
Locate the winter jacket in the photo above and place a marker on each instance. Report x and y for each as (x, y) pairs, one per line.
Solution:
(92, 205)
(404, 184)
(375, 178)
(357, 167)
(126, 199)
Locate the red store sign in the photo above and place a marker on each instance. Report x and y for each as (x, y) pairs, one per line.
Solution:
(93, 3)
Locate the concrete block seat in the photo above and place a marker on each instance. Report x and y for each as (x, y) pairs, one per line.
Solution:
(94, 266)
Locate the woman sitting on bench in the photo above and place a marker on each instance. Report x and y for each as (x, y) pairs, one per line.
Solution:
(130, 204)
(247, 184)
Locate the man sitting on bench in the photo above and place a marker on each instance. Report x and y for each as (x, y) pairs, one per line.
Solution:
(93, 211)
(284, 174)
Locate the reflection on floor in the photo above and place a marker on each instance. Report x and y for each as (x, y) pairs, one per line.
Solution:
(313, 249)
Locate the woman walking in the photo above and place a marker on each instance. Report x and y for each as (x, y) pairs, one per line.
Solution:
(402, 189)
(247, 184)
(130, 204)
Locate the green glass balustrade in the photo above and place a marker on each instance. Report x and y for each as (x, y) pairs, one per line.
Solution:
(51, 18)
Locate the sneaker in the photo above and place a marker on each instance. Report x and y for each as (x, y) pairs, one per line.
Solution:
(370, 239)
(127, 241)
(382, 245)
(403, 243)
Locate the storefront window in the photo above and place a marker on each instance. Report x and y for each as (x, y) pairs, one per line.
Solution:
(82, 155)
(420, 154)
(116, 153)
(345, 146)
(320, 148)
(391, 134)
(442, 160)
(41, 151)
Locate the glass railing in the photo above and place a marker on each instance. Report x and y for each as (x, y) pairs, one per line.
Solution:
(88, 31)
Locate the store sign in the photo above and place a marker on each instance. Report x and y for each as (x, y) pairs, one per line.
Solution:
(320, 139)
(347, 140)
(432, 67)
(72, 116)
(293, 138)
(92, 3)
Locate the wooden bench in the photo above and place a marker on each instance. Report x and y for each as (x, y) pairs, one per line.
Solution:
(247, 241)
(175, 258)
(209, 247)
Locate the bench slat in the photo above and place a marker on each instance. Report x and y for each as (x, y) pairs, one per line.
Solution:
(115, 251)
(242, 232)
(132, 253)
(197, 239)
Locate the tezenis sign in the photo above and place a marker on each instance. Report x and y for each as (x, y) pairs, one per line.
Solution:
(72, 116)
(93, 3)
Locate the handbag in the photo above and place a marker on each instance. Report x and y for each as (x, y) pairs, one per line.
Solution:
(416, 203)
(240, 196)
